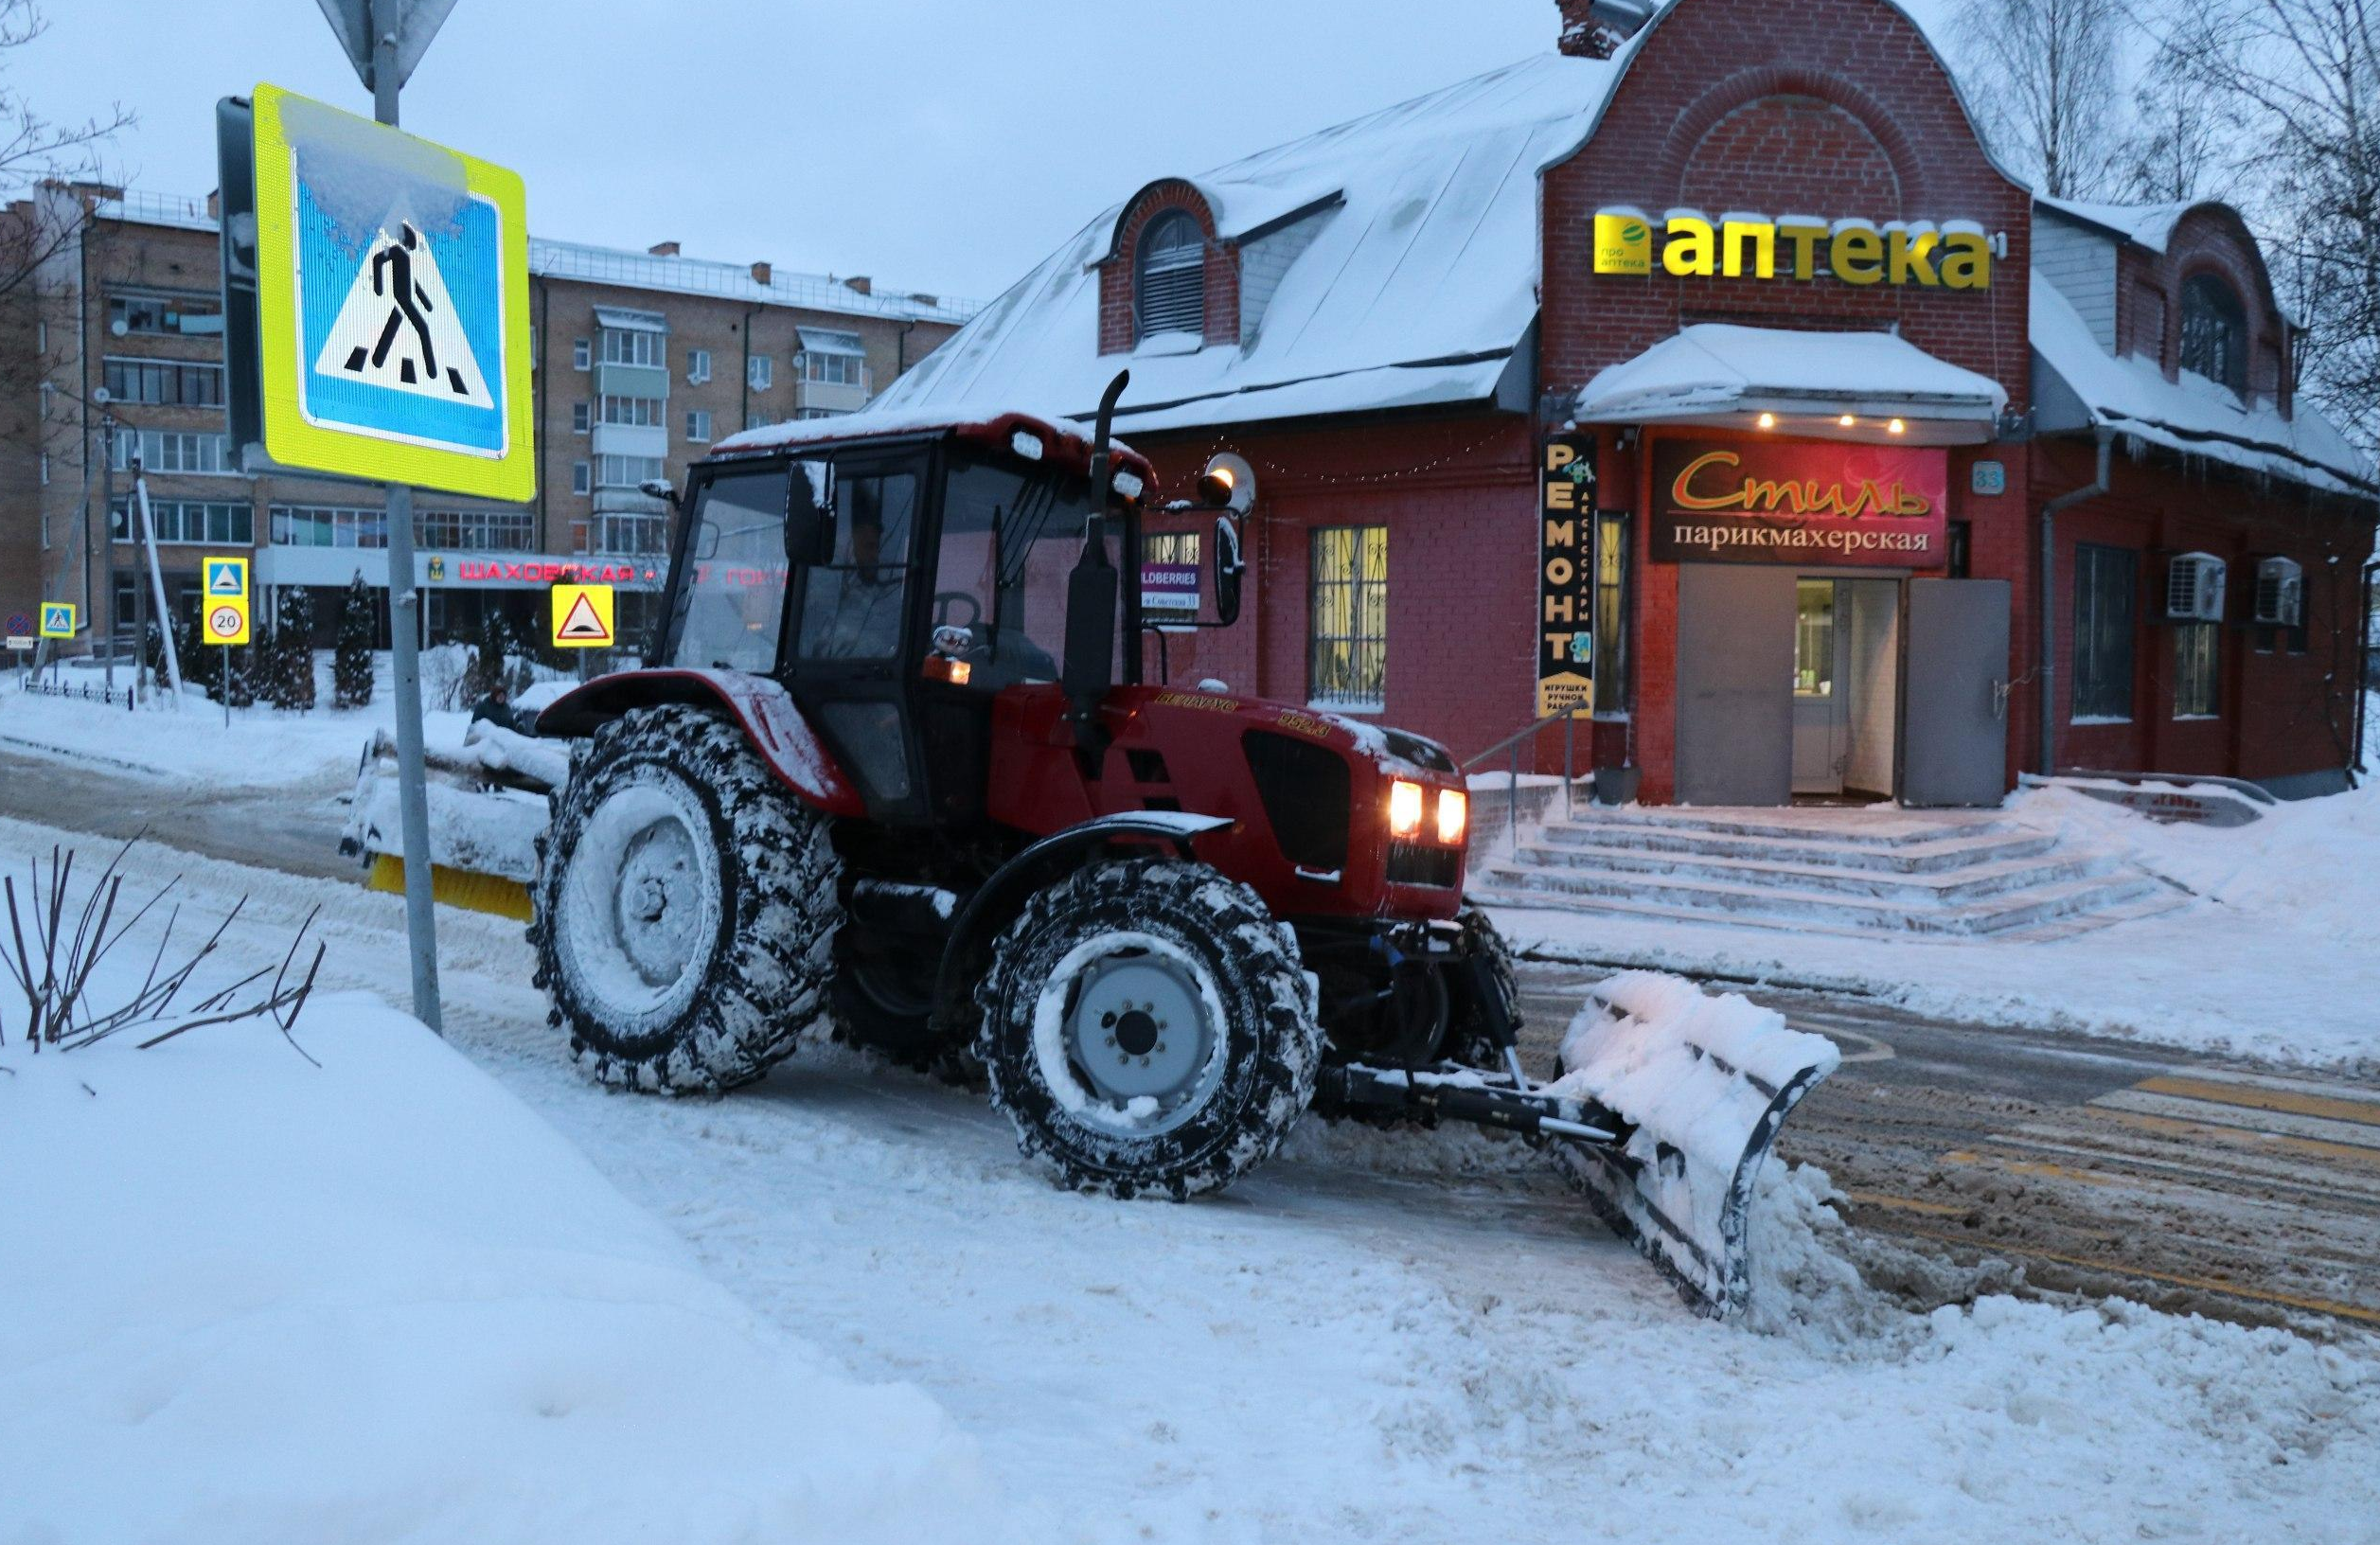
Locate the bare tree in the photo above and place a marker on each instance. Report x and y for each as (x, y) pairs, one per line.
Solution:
(2185, 131)
(2306, 76)
(34, 149)
(2041, 75)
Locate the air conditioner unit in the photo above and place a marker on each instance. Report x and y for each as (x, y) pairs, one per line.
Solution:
(2280, 592)
(2193, 588)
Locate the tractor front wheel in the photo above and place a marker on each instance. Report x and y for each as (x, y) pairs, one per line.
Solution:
(684, 906)
(1147, 1027)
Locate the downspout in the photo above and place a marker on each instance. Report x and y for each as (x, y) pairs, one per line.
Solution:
(744, 412)
(2093, 489)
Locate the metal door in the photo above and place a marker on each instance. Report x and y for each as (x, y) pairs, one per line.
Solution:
(1954, 703)
(1734, 684)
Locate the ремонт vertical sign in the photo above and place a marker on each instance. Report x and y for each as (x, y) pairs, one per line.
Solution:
(392, 304)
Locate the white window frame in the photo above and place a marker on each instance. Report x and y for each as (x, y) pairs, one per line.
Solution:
(761, 372)
(581, 354)
(698, 425)
(697, 366)
(633, 412)
(582, 417)
(581, 477)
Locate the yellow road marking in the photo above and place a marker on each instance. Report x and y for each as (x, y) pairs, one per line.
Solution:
(2363, 1113)
(2212, 1285)
(2242, 1137)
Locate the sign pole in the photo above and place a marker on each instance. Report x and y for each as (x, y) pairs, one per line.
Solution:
(404, 623)
(157, 585)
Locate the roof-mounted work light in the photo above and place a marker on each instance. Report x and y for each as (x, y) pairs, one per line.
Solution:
(1228, 483)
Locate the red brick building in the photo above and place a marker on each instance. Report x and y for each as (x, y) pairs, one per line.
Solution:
(1724, 393)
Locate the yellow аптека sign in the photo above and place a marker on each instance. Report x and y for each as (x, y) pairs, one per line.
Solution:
(393, 305)
(1955, 254)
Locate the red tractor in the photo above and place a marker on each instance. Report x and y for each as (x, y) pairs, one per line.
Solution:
(893, 759)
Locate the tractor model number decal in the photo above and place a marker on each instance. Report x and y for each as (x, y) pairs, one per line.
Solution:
(1303, 724)
(1197, 700)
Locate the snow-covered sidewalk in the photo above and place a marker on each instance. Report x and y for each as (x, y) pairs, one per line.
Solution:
(2277, 956)
(1380, 1337)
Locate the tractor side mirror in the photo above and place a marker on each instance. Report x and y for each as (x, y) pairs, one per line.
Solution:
(1228, 568)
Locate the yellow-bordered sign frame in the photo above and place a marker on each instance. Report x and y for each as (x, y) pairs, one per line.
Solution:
(289, 438)
(565, 606)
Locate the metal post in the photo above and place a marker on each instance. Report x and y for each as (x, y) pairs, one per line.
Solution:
(157, 583)
(404, 627)
(1512, 795)
(227, 649)
(1569, 746)
(107, 516)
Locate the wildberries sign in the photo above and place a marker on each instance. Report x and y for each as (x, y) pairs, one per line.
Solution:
(1814, 502)
(1954, 255)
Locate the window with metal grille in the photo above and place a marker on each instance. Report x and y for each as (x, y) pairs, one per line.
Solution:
(1348, 618)
(2196, 656)
(2105, 582)
(1169, 284)
(2213, 331)
(476, 531)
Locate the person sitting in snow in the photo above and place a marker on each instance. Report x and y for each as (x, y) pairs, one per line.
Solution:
(496, 708)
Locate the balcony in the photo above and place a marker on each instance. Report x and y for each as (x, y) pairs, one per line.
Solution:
(832, 396)
(632, 380)
(631, 440)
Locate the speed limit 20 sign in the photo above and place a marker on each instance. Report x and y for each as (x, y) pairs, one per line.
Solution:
(223, 600)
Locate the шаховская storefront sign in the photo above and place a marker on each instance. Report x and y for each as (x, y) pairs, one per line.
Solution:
(1955, 254)
(1819, 504)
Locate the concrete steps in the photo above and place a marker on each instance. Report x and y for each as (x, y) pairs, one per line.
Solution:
(1853, 871)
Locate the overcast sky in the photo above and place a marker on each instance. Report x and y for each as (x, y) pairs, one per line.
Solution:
(939, 145)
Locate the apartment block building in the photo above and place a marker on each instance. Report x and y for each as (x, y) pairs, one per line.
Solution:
(641, 360)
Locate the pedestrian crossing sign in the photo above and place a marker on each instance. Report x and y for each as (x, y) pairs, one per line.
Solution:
(57, 620)
(393, 303)
(582, 617)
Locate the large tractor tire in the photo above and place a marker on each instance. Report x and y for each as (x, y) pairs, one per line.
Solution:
(1147, 1027)
(685, 907)
(1468, 1038)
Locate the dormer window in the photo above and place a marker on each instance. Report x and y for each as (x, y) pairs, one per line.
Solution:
(1169, 276)
(2213, 332)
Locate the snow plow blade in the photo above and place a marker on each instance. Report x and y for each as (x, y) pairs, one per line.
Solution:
(1698, 1086)
(487, 810)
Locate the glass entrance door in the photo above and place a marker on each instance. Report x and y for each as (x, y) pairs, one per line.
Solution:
(1821, 718)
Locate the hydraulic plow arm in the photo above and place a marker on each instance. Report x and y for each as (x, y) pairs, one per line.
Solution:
(1668, 1102)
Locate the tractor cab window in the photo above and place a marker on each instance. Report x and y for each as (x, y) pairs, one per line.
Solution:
(1008, 540)
(731, 593)
(852, 603)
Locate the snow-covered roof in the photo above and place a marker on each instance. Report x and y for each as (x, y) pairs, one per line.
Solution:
(629, 270)
(1716, 368)
(1413, 279)
(2131, 395)
(2150, 225)
(991, 422)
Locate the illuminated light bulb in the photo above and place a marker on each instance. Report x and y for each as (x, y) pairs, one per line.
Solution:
(1895, 426)
(1767, 420)
(1846, 420)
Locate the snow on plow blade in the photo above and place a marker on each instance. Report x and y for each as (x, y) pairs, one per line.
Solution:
(487, 808)
(1704, 1082)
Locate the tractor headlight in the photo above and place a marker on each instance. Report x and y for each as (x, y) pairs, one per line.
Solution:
(1454, 814)
(1404, 808)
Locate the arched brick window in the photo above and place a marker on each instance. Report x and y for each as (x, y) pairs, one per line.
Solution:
(1169, 276)
(2213, 331)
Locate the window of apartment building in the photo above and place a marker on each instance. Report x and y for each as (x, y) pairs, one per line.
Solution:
(164, 383)
(1348, 618)
(831, 359)
(476, 531)
(626, 472)
(761, 372)
(44, 470)
(326, 525)
(757, 419)
(2197, 656)
(697, 366)
(632, 535)
(635, 346)
(820, 413)
(170, 451)
(2213, 331)
(175, 314)
(221, 522)
(582, 417)
(49, 399)
(644, 412)
(1611, 616)
(44, 530)
(1169, 279)
(2105, 582)
(581, 354)
(581, 478)
(698, 424)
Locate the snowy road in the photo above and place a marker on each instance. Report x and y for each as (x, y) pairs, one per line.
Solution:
(1388, 1337)
(2099, 1166)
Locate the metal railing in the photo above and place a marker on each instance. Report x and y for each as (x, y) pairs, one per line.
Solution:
(1512, 743)
(79, 691)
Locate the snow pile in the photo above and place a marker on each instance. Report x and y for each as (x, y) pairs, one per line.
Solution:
(2276, 957)
(254, 1300)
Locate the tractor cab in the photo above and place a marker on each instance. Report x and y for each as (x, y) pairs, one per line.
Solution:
(896, 583)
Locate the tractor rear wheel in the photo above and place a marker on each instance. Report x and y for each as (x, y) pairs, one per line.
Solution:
(1147, 1027)
(684, 907)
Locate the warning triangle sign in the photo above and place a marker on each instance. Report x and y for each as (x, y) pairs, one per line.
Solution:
(223, 579)
(397, 328)
(583, 624)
